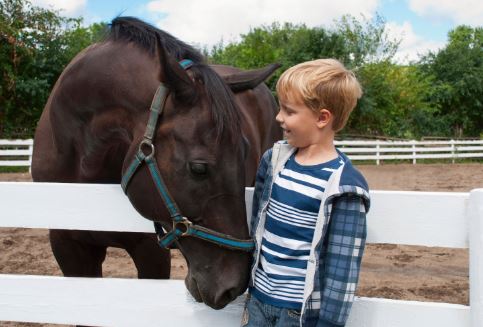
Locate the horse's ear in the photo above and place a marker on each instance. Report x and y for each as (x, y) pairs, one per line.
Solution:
(249, 79)
(176, 78)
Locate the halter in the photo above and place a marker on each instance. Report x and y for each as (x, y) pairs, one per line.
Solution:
(182, 226)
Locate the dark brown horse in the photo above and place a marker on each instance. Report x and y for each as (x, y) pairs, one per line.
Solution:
(216, 123)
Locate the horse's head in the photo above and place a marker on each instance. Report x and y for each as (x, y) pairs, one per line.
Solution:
(200, 161)
(195, 152)
(198, 150)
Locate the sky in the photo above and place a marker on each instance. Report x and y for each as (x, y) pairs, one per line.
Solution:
(421, 25)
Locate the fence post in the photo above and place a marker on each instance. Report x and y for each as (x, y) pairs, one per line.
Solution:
(377, 152)
(31, 149)
(475, 218)
(452, 150)
(413, 143)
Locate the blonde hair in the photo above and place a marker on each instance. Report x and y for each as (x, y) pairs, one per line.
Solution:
(322, 84)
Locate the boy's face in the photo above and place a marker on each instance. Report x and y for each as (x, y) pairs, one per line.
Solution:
(299, 123)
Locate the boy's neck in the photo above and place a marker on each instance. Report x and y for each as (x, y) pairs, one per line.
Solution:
(317, 153)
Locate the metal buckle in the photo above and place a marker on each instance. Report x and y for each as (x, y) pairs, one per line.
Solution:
(151, 145)
(186, 226)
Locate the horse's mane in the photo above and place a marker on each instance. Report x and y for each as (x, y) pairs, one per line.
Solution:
(131, 29)
(224, 111)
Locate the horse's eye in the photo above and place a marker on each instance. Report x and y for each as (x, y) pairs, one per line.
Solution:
(198, 168)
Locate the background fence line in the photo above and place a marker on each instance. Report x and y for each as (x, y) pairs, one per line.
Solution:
(16, 153)
(19, 152)
(411, 150)
(417, 218)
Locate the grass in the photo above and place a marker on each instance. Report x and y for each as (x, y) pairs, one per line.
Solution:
(14, 169)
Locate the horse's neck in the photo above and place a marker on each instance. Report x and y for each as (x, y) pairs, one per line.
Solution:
(105, 143)
(95, 104)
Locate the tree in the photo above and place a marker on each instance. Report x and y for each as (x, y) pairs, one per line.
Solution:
(395, 103)
(457, 73)
(350, 41)
(395, 97)
(365, 41)
(36, 44)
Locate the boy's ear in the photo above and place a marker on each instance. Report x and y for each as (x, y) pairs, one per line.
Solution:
(324, 118)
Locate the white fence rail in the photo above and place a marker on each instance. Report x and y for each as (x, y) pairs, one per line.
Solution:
(19, 152)
(16, 152)
(411, 150)
(418, 218)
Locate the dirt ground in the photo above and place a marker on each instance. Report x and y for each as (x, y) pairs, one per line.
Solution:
(388, 270)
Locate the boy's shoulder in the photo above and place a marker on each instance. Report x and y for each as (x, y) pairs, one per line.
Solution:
(352, 181)
(351, 175)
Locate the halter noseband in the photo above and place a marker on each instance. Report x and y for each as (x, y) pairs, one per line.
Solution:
(182, 226)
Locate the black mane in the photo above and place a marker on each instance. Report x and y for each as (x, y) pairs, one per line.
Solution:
(131, 29)
(222, 103)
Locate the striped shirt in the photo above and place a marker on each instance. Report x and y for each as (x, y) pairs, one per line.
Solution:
(289, 229)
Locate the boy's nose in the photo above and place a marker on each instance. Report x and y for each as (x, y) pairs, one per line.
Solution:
(278, 118)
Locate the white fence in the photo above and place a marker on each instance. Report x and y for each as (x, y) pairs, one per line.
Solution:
(19, 152)
(16, 152)
(417, 218)
(411, 150)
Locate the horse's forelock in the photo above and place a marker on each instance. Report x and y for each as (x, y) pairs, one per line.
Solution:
(220, 98)
(221, 102)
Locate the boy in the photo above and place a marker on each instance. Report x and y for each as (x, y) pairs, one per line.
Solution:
(309, 206)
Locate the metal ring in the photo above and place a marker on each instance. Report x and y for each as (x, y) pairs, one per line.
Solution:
(186, 225)
(151, 145)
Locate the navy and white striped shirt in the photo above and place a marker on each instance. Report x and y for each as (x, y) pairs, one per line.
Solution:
(289, 229)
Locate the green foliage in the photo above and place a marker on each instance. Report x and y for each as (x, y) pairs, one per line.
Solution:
(13, 169)
(394, 103)
(441, 96)
(350, 41)
(365, 41)
(457, 71)
(36, 45)
(394, 97)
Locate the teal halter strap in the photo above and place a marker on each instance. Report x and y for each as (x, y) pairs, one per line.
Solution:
(181, 226)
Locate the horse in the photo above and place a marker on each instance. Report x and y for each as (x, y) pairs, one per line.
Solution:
(183, 137)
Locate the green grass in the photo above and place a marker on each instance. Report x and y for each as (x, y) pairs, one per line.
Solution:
(14, 169)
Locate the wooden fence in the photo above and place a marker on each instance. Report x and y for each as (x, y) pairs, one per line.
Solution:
(16, 152)
(415, 218)
(19, 152)
(411, 150)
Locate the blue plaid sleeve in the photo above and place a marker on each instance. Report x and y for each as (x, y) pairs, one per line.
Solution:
(259, 184)
(345, 245)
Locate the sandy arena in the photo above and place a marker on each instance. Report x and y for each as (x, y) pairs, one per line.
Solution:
(389, 270)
